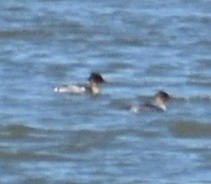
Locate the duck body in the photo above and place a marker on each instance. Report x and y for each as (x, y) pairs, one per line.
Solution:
(158, 104)
(93, 87)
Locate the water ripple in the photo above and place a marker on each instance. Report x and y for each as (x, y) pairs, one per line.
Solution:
(191, 130)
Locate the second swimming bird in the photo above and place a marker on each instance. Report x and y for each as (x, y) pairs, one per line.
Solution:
(158, 103)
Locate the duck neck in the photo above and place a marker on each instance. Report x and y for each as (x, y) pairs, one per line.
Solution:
(95, 89)
(160, 103)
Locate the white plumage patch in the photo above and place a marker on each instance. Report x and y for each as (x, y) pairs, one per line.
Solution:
(70, 89)
(134, 109)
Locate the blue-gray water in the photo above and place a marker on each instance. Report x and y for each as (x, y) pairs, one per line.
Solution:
(139, 47)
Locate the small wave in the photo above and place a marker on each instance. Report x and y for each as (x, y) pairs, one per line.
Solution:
(197, 98)
(15, 131)
(84, 140)
(11, 155)
(22, 33)
(189, 129)
(120, 104)
(199, 82)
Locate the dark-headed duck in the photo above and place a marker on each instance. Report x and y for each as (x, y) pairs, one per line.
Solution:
(95, 79)
(158, 103)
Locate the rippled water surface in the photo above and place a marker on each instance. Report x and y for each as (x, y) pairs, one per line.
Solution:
(140, 47)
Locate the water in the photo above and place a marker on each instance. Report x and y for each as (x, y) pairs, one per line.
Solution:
(139, 47)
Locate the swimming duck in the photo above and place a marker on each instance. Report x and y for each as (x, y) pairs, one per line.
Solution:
(95, 79)
(158, 103)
